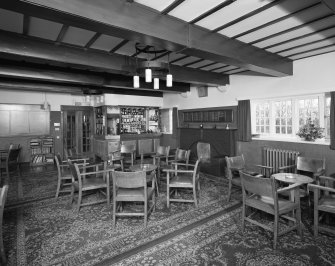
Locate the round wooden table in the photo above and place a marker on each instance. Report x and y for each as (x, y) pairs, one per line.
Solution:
(293, 178)
(148, 168)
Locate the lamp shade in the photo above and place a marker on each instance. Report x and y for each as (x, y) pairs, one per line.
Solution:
(136, 81)
(168, 80)
(148, 75)
(156, 83)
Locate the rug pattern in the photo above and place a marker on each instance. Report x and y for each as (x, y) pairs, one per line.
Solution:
(46, 231)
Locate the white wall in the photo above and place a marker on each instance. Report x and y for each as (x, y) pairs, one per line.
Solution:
(311, 75)
(55, 100)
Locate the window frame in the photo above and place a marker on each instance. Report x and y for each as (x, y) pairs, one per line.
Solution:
(295, 114)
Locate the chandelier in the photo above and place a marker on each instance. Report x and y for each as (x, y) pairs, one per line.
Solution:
(150, 68)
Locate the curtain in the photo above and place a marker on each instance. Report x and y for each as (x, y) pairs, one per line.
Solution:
(244, 120)
(332, 120)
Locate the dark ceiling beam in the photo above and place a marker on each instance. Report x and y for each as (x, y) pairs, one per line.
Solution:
(312, 50)
(26, 23)
(294, 14)
(161, 55)
(146, 26)
(61, 34)
(207, 65)
(36, 86)
(309, 23)
(299, 37)
(178, 59)
(27, 49)
(194, 62)
(172, 6)
(248, 15)
(330, 4)
(305, 44)
(212, 11)
(118, 46)
(321, 53)
(44, 74)
(92, 40)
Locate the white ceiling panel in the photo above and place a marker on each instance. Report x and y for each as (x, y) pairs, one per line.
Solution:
(312, 53)
(11, 21)
(159, 5)
(308, 39)
(309, 47)
(231, 12)
(200, 64)
(186, 60)
(299, 32)
(106, 42)
(266, 16)
(77, 36)
(44, 29)
(213, 66)
(191, 9)
(284, 25)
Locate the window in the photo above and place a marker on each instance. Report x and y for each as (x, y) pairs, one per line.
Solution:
(283, 116)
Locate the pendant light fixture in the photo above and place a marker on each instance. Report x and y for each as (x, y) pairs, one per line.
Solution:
(169, 75)
(136, 78)
(156, 83)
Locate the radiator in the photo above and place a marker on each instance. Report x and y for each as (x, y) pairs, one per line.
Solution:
(278, 158)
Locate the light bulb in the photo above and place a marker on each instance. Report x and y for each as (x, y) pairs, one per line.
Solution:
(148, 75)
(136, 82)
(156, 83)
(168, 80)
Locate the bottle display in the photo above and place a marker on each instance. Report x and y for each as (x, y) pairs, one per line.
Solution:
(133, 120)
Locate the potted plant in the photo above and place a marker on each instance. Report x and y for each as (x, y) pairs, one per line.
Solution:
(310, 131)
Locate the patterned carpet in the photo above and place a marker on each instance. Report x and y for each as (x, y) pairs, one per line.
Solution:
(46, 231)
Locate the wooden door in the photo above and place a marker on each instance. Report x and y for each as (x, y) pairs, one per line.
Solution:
(78, 129)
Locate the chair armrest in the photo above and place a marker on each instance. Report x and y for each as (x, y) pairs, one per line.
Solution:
(97, 172)
(290, 187)
(178, 171)
(314, 186)
(182, 164)
(264, 166)
(282, 168)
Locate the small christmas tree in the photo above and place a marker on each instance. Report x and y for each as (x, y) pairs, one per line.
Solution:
(310, 131)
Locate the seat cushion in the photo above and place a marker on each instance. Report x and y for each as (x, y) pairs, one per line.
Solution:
(267, 203)
(93, 182)
(133, 194)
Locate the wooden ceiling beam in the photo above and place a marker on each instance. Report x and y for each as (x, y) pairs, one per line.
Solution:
(140, 24)
(16, 46)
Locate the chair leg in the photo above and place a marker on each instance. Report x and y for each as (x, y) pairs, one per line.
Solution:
(114, 212)
(229, 190)
(275, 231)
(58, 188)
(243, 217)
(195, 197)
(145, 212)
(72, 194)
(108, 192)
(316, 221)
(80, 195)
(168, 196)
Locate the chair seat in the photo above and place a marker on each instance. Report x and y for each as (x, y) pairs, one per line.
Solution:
(131, 194)
(327, 202)
(182, 180)
(267, 203)
(91, 183)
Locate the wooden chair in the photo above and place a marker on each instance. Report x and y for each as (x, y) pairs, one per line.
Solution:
(132, 187)
(234, 165)
(3, 195)
(324, 201)
(129, 153)
(64, 175)
(161, 156)
(262, 194)
(311, 167)
(12, 160)
(115, 159)
(181, 179)
(94, 179)
(180, 156)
